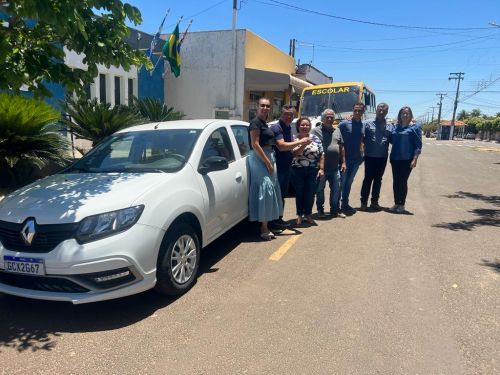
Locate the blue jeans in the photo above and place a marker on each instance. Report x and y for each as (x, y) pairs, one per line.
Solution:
(304, 182)
(333, 178)
(347, 179)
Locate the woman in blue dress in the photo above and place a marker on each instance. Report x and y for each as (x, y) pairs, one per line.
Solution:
(406, 148)
(264, 195)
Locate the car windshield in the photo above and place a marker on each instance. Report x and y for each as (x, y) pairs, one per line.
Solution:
(339, 99)
(151, 151)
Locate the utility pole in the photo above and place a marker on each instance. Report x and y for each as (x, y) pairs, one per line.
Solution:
(440, 104)
(432, 120)
(455, 76)
(234, 71)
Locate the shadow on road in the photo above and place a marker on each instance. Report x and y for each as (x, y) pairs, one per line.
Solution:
(494, 264)
(34, 325)
(485, 216)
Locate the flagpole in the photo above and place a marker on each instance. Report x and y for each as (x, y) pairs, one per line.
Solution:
(185, 32)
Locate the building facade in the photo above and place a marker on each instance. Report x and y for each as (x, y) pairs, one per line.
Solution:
(223, 75)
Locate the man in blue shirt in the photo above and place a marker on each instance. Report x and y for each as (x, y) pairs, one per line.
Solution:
(284, 143)
(352, 134)
(377, 138)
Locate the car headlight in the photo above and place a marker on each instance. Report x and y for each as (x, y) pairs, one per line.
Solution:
(103, 225)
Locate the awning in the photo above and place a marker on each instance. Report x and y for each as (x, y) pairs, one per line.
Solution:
(299, 83)
(261, 80)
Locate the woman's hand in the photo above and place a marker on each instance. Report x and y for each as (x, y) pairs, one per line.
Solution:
(321, 173)
(270, 168)
(413, 163)
(343, 167)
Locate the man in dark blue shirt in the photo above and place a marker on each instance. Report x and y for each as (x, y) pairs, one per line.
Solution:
(284, 143)
(377, 138)
(352, 134)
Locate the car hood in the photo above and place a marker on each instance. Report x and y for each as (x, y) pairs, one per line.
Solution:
(68, 198)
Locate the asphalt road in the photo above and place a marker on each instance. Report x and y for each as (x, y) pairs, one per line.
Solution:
(376, 293)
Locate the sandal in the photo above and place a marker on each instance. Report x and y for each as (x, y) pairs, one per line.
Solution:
(267, 236)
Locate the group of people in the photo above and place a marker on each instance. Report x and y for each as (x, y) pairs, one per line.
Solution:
(326, 153)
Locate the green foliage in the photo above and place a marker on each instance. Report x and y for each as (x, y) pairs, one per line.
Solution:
(462, 115)
(29, 132)
(94, 121)
(475, 112)
(154, 110)
(29, 139)
(31, 44)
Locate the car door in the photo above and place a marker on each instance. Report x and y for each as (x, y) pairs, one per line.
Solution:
(220, 188)
(242, 145)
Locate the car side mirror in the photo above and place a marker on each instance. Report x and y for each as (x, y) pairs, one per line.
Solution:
(213, 163)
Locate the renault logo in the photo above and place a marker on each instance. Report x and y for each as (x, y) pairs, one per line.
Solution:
(28, 231)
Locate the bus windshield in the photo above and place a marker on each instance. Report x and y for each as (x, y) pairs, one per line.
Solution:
(340, 99)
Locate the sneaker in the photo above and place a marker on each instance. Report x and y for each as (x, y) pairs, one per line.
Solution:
(321, 214)
(363, 207)
(308, 219)
(348, 209)
(280, 224)
(339, 214)
(375, 206)
(394, 208)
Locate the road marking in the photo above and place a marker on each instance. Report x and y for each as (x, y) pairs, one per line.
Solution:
(488, 149)
(284, 248)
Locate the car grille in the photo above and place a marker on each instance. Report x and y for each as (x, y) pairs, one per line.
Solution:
(43, 283)
(47, 236)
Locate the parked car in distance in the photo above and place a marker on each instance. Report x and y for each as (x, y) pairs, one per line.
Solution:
(131, 215)
(470, 136)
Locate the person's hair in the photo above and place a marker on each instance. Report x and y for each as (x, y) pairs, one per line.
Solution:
(287, 107)
(401, 110)
(297, 124)
(385, 105)
(328, 110)
(264, 98)
(359, 104)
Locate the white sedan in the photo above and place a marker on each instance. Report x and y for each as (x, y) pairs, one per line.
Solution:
(131, 215)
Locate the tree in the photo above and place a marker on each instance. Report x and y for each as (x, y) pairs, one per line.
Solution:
(462, 115)
(475, 113)
(154, 110)
(95, 121)
(32, 41)
(29, 137)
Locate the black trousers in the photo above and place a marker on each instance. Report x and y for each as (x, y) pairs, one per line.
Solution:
(374, 170)
(400, 173)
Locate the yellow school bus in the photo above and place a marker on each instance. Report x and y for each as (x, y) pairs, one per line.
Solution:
(339, 96)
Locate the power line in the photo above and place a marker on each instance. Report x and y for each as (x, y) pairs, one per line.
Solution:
(394, 49)
(294, 7)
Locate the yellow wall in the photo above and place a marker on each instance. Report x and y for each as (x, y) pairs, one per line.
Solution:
(261, 55)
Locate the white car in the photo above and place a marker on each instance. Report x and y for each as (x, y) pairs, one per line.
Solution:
(131, 215)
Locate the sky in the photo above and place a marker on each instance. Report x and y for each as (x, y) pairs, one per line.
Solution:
(404, 50)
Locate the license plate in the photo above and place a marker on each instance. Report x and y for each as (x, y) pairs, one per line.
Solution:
(27, 266)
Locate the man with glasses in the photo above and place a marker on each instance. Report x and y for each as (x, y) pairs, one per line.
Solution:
(352, 133)
(333, 147)
(283, 144)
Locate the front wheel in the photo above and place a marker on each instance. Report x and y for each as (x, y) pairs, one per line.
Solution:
(178, 260)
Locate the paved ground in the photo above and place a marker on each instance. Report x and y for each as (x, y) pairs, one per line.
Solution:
(373, 293)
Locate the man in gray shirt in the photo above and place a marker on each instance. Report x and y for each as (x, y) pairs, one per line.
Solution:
(333, 147)
(377, 138)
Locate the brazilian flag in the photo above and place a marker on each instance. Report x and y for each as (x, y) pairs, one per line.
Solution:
(171, 51)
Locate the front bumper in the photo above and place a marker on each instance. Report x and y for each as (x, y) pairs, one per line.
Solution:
(113, 267)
